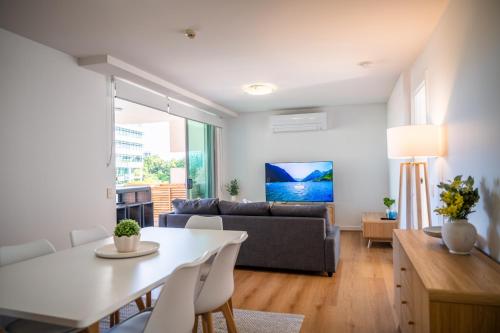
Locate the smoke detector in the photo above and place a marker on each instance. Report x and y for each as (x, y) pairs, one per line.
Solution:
(365, 64)
(190, 33)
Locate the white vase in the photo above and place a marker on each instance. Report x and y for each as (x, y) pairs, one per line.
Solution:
(234, 198)
(127, 244)
(459, 236)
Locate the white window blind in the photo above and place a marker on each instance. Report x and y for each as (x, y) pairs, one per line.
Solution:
(132, 92)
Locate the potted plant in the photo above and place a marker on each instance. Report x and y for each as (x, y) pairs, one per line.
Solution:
(233, 188)
(127, 235)
(389, 212)
(458, 198)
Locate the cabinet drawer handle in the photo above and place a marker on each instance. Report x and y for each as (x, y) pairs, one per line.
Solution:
(404, 302)
(403, 269)
(398, 286)
(411, 323)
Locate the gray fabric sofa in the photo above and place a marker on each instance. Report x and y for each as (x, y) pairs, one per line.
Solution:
(283, 237)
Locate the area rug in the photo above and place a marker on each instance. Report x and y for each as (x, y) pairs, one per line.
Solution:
(247, 321)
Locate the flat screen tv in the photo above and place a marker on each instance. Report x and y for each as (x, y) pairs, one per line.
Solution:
(299, 181)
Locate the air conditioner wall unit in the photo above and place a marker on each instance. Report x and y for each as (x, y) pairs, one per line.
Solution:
(299, 122)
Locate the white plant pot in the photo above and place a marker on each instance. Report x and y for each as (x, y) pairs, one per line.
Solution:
(127, 244)
(234, 197)
(459, 236)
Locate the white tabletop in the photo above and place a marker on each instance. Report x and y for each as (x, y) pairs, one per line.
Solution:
(75, 288)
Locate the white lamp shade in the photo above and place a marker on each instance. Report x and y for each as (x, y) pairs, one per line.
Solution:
(415, 141)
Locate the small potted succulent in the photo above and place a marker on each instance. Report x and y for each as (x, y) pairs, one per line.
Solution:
(127, 235)
(459, 198)
(233, 188)
(390, 213)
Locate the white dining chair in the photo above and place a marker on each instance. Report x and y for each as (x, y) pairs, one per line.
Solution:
(17, 253)
(217, 289)
(204, 222)
(84, 236)
(207, 223)
(21, 252)
(174, 309)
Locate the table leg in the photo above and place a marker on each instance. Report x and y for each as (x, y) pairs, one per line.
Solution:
(148, 299)
(94, 328)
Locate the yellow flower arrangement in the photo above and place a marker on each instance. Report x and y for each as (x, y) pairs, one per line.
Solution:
(458, 198)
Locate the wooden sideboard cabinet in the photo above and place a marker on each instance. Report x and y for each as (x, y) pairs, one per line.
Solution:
(436, 291)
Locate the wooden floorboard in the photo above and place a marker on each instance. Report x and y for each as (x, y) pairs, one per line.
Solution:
(357, 299)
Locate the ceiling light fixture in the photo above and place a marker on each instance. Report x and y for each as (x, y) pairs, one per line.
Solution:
(259, 88)
(365, 64)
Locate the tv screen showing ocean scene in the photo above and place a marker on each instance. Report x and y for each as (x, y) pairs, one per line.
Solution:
(299, 182)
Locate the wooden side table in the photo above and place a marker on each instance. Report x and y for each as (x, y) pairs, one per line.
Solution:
(377, 230)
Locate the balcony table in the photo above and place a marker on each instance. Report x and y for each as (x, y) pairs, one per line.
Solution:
(75, 288)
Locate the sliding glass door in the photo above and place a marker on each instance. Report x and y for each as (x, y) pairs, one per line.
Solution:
(150, 159)
(160, 155)
(200, 159)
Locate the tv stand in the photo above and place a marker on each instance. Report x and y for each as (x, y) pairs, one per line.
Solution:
(330, 206)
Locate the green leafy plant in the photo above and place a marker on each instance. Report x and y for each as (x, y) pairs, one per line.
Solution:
(458, 198)
(127, 228)
(233, 188)
(388, 202)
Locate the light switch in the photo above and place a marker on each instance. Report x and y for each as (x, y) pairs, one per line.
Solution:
(110, 193)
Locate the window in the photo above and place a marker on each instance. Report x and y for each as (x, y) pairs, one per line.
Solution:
(155, 145)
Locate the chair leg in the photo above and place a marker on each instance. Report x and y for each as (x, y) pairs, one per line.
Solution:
(230, 302)
(204, 323)
(195, 327)
(140, 303)
(209, 325)
(114, 318)
(231, 325)
(148, 299)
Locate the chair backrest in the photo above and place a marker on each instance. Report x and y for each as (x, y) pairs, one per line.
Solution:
(219, 284)
(204, 222)
(84, 236)
(21, 252)
(174, 310)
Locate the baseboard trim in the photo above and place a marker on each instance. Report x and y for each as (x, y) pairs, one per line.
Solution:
(350, 227)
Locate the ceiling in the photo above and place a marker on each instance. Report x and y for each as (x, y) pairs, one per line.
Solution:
(309, 49)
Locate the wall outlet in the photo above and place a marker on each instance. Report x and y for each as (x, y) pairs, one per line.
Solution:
(110, 193)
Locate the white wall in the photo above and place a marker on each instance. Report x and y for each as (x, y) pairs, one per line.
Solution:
(462, 61)
(398, 114)
(355, 141)
(53, 144)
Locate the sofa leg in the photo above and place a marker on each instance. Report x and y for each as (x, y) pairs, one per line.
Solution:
(330, 274)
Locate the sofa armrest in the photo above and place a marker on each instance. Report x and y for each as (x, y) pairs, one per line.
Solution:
(332, 249)
(162, 219)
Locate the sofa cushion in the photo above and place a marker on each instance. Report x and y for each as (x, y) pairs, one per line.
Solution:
(239, 208)
(197, 206)
(299, 210)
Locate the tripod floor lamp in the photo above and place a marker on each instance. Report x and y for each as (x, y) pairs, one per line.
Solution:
(410, 142)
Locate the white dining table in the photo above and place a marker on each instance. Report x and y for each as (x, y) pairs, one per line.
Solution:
(75, 288)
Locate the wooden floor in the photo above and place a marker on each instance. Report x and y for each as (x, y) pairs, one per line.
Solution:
(357, 299)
